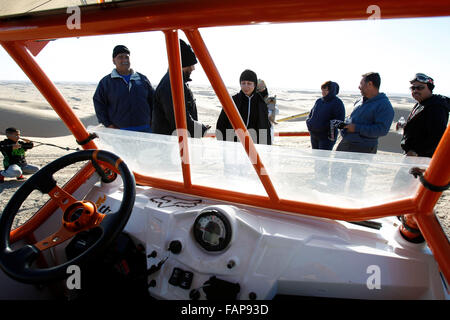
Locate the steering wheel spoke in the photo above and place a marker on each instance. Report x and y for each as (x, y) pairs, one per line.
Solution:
(58, 237)
(62, 198)
(78, 216)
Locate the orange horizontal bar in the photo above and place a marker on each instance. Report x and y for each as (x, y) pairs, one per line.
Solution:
(285, 206)
(291, 134)
(138, 16)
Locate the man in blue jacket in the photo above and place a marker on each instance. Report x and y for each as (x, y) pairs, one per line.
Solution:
(371, 118)
(124, 98)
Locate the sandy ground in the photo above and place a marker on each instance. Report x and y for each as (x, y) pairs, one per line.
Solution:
(23, 107)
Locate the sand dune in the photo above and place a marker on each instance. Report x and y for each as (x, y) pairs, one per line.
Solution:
(36, 123)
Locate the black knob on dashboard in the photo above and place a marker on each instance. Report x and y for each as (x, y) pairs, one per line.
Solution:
(175, 246)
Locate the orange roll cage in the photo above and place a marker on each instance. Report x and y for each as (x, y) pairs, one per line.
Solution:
(189, 15)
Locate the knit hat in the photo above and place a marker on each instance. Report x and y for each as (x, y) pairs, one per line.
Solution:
(188, 57)
(120, 49)
(249, 75)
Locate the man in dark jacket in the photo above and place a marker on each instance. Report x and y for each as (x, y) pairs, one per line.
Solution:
(124, 98)
(428, 119)
(163, 120)
(13, 152)
(252, 109)
(327, 108)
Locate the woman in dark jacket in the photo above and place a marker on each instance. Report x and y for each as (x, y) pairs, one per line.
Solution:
(252, 109)
(327, 108)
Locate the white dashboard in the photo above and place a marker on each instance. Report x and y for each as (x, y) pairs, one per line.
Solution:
(203, 249)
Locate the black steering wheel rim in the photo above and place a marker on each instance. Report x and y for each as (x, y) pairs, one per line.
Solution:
(17, 263)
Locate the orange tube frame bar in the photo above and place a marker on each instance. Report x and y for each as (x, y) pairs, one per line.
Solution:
(134, 16)
(141, 15)
(176, 82)
(230, 109)
(31, 68)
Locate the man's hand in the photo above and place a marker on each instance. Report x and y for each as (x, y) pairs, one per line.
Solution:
(16, 146)
(350, 127)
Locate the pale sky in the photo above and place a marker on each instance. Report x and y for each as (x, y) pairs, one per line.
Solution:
(291, 56)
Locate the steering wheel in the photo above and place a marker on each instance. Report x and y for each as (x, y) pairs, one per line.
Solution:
(77, 216)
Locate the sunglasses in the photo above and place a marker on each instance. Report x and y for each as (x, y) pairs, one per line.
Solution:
(418, 88)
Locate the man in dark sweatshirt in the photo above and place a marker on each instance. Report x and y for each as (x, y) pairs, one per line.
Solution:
(163, 119)
(428, 119)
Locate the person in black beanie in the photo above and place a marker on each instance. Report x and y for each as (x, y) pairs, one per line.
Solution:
(253, 110)
(163, 119)
(124, 98)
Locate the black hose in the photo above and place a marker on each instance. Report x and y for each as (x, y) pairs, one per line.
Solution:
(54, 145)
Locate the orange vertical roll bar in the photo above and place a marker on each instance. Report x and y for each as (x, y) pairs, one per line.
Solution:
(436, 240)
(179, 108)
(230, 109)
(26, 61)
(438, 174)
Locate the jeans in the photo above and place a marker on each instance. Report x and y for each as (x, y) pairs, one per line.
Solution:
(16, 170)
(321, 143)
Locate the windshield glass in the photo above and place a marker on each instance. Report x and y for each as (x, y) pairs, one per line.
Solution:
(331, 178)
